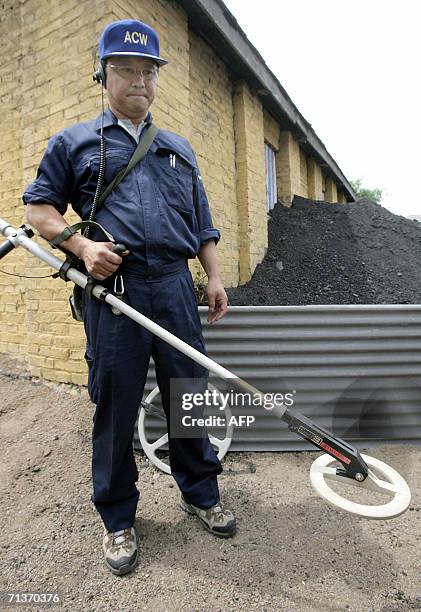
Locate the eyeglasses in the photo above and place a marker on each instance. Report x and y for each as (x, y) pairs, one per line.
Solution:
(129, 74)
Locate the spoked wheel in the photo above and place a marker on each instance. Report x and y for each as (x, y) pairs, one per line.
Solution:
(381, 479)
(221, 445)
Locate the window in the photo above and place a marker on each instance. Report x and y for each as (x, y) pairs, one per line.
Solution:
(271, 192)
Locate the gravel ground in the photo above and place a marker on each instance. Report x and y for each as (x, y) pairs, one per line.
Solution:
(319, 253)
(292, 551)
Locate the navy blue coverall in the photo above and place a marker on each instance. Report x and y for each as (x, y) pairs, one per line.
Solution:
(160, 212)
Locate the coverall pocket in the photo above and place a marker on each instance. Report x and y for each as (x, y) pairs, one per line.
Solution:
(174, 178)
(115, 160)
(92, 386)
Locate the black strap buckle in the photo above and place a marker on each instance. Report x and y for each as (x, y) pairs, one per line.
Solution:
(90, 284)
(69, 262)
(75, 262)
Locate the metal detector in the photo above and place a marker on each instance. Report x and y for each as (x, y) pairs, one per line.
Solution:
(341, 462)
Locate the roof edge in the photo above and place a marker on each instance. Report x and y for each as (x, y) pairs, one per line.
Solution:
(212, 20)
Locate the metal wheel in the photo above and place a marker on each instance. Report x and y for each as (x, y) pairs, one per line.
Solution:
(221, 445)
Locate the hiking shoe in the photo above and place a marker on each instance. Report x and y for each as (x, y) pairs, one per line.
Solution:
(120, 550)
(216, 520)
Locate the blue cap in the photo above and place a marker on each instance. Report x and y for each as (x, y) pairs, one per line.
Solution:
(129, 37)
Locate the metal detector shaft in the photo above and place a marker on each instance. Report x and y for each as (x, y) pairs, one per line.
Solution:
(350, 458)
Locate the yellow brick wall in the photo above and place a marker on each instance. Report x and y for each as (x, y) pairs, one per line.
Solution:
(13, 295)
(51, 89)
(46, 85)
(212, 136)
(251, 186)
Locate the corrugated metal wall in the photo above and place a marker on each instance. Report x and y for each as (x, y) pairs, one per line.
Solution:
(354, 369)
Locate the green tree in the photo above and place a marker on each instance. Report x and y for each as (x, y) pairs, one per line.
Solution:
(363, 192)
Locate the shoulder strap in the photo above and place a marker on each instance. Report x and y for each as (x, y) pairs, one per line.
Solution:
(140, 152)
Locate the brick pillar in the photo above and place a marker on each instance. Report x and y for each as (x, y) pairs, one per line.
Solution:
(314, 180)
(303, 175)
(288, 168)
(250, 179)
(341, 197)
(331, 191)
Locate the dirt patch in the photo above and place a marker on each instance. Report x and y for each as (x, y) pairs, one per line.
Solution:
(319, 253)
(292, 551)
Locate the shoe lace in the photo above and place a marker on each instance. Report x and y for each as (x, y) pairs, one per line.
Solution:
(218, 512)
(120, 539)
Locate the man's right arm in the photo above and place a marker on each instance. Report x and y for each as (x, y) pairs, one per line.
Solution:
(99, 259)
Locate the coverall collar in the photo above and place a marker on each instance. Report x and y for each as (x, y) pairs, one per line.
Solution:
(111, 119)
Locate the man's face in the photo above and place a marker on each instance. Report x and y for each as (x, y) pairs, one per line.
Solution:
(128, 93)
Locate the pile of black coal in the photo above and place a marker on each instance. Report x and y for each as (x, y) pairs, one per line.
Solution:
(320, 253)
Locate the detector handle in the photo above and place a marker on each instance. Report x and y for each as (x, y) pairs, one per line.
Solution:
(119, 248)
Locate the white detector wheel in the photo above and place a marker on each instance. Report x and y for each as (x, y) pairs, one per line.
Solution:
(221, 445)
(390, 484)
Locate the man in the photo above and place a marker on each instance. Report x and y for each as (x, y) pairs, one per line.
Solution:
(161, 213)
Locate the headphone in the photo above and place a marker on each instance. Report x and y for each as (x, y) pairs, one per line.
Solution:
(99, 75)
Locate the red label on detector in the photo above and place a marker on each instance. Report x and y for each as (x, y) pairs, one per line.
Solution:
(334, 452)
